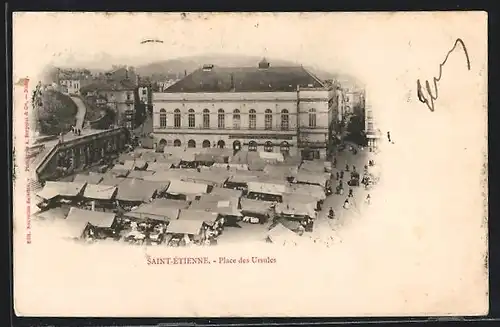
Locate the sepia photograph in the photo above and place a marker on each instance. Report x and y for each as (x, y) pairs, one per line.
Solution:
(250, 164)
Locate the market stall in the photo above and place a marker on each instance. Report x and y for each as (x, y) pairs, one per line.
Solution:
(181, 190)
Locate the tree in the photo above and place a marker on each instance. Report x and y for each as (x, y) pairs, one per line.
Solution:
(55, 113)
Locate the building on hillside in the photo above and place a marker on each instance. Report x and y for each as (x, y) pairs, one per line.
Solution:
(71, 81)
(120, 96)
(372, 132)
(120, 73)
(261, 108)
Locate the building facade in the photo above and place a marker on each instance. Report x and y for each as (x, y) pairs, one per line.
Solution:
(118, 96)
(273, 109)
(70, 81)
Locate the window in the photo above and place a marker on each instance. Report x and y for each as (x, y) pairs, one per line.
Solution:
(143, 91)
(236, 119)
(312, 118)
(221, 144)
(221, 119)
(252, 146)
(206, 118)
(268, 119)
(370, 126)
(284, 120)
(177, 118)
(191, 118)
(252, 119)
(177, 143)
(163, 118)
(128, 96)
(128, 124)
(191, 144)
(268, 146)
(206, 144)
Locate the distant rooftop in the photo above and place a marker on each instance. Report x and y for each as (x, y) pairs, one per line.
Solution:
(261, 78)
(109, 85)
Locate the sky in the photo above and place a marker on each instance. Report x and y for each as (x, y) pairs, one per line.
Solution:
(387, 52)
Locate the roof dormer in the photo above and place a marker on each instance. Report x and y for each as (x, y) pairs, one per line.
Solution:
(264, 64)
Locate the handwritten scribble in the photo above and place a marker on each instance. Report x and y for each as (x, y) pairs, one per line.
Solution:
(431, 97)
(151, 41)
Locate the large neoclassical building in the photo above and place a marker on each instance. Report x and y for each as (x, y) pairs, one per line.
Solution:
(261, 108)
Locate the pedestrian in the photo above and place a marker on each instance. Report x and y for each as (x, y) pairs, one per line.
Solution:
(350, 193)
(368, 199)
(331, 213)
(389, 136)
(341, 175)
(79, 132)
(353, 168)
(346, 204)
(338, 176)
(366, 167)
(346, 167)
(335, 162)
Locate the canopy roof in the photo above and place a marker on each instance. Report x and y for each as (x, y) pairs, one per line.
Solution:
(95, 218)
(91, 178)
(226, 192)
(140, 174)
(217, 204)
(266, 188)
(182, 187)
(66, 189)
(138, 190)
(200, 215)
(100, 192)
(255, 206)
(191, 227)
(155, 210)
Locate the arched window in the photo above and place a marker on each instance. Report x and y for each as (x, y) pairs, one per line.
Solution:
(163, 118)
(284, 120)
(191, 118)
(284, 148)
(268, 146)
(236, 119)
(221, 119)
(236, 145)
(206, 118)
(177, 143)
(206, 144)
(312, 118)
(252, 119)
(268, 119)
(252, 146)
(221, 144)
(177, 118)
(191, 144)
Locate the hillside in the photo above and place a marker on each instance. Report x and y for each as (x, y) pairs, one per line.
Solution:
(57, 113)
(178, 66)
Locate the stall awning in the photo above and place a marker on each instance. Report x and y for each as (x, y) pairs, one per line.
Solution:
(54, 213)
(135, 164)
(226, 192)
(95, 218)
(99, 192)
(206, 177)
(266, 188)
(296, 209)
(283, 236)
(120, 171)
(165, 176)
(311, 178)
(154, 210)
(281, 170)
(181, 187)
(255, 206)
(315, 166)
(232, 166)
(191, 214)
(91, 178)
(159, 166)
(312, 190)
(137, 190)
(218, 204)
(66, 189)
(191, 227)
(140, 174)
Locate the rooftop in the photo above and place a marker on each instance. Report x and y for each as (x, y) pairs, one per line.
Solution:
(109, 85)
(261, 78)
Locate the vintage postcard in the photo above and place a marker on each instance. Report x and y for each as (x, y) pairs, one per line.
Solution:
(250, 164)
